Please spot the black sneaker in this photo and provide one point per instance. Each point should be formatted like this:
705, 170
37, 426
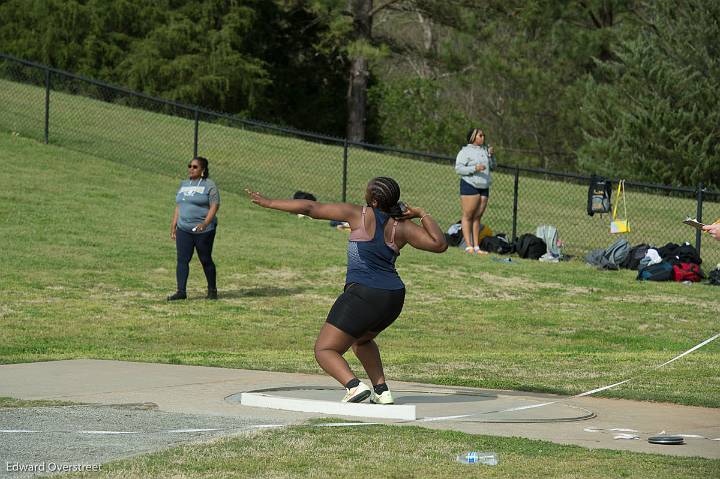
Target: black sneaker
176, 296
212, 294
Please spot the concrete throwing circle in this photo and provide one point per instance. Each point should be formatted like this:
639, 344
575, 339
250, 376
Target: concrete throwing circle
429, 404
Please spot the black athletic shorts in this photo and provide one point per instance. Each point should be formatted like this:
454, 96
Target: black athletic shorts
466, 189
361, 309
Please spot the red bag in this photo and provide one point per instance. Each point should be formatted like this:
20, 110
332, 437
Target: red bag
687, 272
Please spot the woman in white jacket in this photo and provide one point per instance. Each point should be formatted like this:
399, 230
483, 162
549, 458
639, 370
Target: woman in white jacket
473, 164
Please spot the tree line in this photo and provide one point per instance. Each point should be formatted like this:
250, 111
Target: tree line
623, 88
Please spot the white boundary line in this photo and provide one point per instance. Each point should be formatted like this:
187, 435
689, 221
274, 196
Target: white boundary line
621, 433
586, 393
625, 431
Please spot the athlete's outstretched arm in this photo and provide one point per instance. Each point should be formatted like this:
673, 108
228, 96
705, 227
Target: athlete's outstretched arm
321, 211
427, 236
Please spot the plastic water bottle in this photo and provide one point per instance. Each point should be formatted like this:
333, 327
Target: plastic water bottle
472, 457
502, 260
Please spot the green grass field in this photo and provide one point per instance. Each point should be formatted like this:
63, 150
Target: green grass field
280, 165
395, 452
89, 262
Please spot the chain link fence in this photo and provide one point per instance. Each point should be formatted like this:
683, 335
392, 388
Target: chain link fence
157, 135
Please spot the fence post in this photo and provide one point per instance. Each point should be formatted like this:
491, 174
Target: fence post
197, 127
515, 203
698, 216
344, 175
47, 105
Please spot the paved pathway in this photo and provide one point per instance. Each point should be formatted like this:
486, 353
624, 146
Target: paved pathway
188, 397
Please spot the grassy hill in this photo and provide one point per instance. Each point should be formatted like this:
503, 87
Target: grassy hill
89, 261
279, 165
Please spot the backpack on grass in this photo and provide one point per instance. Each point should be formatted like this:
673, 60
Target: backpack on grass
667, 252
611, 257
496, 244
549, 235
686, 253
687, 272
616, 253
662, 271
635, 255
530, 246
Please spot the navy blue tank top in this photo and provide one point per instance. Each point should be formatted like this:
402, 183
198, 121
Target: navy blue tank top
371, 261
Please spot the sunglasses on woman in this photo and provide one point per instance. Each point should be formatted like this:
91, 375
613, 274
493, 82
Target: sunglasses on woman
193, 167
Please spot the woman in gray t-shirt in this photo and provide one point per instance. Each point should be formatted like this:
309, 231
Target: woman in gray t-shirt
194, 224
473, 165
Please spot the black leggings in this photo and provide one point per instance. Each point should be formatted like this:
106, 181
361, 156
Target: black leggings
185, 243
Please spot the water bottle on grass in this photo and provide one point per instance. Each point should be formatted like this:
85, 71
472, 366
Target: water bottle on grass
473, 457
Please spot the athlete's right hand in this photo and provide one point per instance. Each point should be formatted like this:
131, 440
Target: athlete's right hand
257, 198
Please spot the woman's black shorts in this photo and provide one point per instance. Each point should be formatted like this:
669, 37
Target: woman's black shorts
466, 189
361, 309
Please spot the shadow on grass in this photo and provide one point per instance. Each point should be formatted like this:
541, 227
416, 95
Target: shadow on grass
260, 292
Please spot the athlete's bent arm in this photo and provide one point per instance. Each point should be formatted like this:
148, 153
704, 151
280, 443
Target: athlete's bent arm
427, 236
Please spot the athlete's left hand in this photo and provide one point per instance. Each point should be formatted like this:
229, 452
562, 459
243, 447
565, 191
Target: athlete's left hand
257, 198
412, 213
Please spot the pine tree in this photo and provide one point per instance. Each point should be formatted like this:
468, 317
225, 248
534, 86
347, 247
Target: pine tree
656, 117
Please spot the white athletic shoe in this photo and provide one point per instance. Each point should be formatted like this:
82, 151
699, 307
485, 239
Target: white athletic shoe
357, 394
384, 398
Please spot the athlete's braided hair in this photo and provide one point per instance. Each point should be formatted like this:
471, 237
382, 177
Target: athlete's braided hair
386, 192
